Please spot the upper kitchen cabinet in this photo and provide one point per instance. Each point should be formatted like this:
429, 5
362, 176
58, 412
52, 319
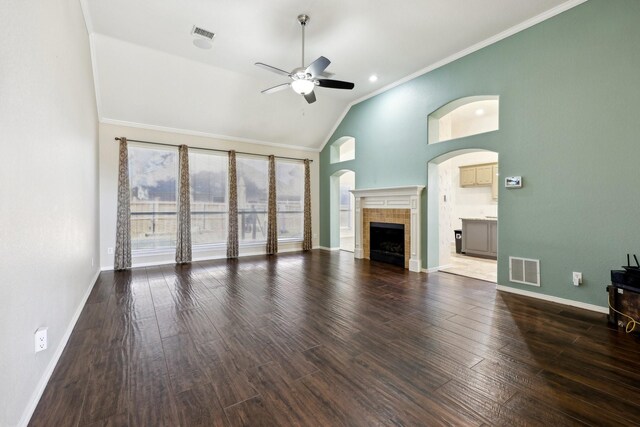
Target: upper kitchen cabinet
478, 175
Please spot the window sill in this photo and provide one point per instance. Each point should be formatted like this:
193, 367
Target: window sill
205, 248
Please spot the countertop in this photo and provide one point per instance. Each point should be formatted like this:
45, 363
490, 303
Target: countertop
480, 219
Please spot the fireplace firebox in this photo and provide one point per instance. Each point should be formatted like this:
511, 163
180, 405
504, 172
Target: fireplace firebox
387, 243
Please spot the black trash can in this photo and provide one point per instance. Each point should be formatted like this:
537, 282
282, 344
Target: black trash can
458, 234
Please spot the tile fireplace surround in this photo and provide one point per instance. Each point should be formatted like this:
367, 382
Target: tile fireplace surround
399, 205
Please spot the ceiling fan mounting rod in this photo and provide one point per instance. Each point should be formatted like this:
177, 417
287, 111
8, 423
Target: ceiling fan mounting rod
303, 19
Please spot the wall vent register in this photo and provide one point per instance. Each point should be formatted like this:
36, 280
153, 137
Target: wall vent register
202, 32
524, 270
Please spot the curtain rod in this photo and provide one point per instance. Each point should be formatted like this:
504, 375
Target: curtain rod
212, 149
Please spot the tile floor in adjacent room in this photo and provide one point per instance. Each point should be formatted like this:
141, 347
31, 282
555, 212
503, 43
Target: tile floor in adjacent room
477, 268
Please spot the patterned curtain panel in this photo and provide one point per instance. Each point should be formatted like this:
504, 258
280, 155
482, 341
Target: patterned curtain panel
122, 258
183, 241
232, 238
272, 226
306, 239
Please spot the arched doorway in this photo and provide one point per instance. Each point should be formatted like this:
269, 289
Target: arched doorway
343, 210
462, 212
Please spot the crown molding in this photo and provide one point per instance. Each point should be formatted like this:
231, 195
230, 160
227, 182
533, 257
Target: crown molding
180, 131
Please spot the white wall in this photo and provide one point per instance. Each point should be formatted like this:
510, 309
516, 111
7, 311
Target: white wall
49, 190
109, 186
467, 202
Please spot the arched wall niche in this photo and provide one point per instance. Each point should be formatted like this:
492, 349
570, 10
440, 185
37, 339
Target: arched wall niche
343, 149
463, 117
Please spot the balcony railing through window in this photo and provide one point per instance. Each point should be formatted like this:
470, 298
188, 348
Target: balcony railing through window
157, 230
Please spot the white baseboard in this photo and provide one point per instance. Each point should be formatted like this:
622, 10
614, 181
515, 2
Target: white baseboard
436, 269
324, 248
44, 380
564, 301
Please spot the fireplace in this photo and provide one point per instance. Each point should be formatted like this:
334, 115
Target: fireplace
396, 205
387, 242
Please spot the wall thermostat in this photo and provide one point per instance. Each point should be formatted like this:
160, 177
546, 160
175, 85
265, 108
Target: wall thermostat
513, 182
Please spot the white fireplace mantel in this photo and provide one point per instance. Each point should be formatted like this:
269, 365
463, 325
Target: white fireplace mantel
391, 198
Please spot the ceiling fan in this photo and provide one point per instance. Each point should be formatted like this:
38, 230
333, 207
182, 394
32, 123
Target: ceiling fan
305, 79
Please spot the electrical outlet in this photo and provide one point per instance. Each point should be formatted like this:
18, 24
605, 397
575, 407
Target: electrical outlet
41, 339
577, 278
109, 251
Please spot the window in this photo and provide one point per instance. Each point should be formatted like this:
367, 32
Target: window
153, 176
343, 149
290, 199
253, 180
464, 117
208, 176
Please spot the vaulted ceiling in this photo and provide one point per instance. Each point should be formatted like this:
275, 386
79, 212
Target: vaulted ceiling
149, 73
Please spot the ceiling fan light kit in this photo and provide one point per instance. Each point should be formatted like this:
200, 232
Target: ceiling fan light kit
302, 87
305, 79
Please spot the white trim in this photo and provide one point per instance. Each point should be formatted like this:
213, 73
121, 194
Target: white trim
324, 248
471, 49
436, 269
406, 197
204, 134
564, 301
92, 53
409, 190
44, 379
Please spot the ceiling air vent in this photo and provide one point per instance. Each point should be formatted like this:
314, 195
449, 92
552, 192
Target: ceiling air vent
523, 270
202, 32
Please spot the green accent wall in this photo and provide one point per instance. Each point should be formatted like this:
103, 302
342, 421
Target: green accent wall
569, 92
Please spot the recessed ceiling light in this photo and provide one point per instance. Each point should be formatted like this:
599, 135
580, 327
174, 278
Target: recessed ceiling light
480, 112
373, 78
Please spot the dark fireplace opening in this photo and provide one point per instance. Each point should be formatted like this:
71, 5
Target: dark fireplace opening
386, 243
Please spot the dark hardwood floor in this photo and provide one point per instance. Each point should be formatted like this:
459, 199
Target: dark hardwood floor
322, 339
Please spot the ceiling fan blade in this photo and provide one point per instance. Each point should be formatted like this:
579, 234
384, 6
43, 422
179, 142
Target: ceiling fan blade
276, 88
273, 69
335, 84
310, 97
317, 66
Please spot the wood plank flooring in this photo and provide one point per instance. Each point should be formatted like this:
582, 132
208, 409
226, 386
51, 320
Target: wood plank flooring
321, 339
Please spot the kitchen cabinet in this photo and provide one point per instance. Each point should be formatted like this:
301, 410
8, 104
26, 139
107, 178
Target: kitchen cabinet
480, 237
467, 177
484, 175
478, 175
